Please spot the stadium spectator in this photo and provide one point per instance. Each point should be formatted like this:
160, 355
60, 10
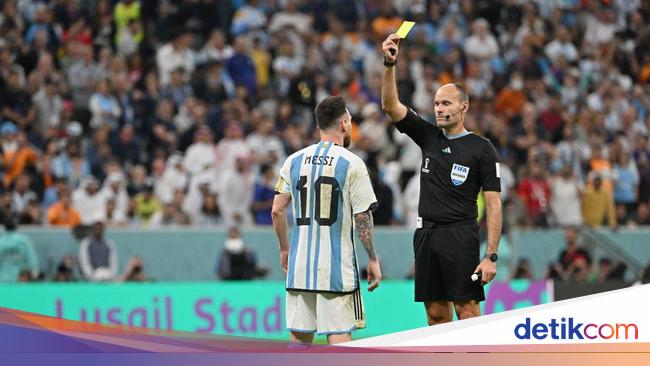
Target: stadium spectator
264, 145
216, 48
65, 271
178, 90
104, 107
114, 189
249, 17
134, 271
16, 253
626, 180
557, 85
209, 215
17, 153
88, 201
48, 105
174, 54
241, 67
236, 261
98, 255
146, 204
598, 205
174, 177
566, 194
16, 104
573, 256
522, 270
172, 213
63, 213
263, 196
235, 193
534, 191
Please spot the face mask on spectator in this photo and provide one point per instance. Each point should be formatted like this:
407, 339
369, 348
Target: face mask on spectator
234, 245
517, 84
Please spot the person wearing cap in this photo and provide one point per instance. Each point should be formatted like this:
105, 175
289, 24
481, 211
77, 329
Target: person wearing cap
17, 154
97, 254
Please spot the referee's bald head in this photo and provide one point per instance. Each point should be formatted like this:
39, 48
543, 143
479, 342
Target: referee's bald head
462, 92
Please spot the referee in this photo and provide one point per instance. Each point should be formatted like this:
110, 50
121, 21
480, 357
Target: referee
456, 165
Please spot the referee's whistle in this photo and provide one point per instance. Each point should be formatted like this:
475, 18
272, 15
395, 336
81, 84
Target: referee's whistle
476, 276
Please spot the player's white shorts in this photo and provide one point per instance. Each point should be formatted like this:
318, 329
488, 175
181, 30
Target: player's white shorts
324, 313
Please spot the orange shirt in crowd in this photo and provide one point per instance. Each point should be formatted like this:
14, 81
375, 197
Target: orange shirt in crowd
510, 101
16, 161
58, 215
383, 26
644, 74
604, 167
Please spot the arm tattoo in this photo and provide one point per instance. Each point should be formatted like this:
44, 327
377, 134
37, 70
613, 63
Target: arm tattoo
364, 225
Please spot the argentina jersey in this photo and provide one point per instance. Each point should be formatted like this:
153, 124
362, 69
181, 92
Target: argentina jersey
328, 185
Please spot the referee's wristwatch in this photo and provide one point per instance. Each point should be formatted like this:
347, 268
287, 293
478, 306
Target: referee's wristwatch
492, 256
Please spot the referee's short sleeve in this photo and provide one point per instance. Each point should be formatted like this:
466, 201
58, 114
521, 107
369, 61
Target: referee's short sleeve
362, 196
415, 127
284, 181
489, 168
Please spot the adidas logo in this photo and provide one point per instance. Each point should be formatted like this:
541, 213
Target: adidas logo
446, 150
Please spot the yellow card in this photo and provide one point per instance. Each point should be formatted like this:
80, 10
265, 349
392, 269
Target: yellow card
404, 29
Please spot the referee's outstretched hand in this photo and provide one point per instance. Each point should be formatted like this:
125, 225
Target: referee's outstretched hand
374, 274
488, 270
390, 46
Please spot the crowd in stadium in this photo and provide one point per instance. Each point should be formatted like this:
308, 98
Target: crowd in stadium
163, 113
180, 112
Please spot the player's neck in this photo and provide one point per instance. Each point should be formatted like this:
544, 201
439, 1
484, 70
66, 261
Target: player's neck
331, 138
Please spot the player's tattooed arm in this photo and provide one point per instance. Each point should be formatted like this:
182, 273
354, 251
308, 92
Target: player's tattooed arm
365, 227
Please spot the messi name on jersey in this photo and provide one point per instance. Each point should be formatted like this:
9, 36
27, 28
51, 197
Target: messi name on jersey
459, 174
319, 160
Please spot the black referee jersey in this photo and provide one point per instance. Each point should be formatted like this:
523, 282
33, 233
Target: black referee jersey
453, 171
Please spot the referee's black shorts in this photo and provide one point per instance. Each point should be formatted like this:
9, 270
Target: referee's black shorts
445, 258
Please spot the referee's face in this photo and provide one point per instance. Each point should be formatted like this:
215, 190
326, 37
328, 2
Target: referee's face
448, 106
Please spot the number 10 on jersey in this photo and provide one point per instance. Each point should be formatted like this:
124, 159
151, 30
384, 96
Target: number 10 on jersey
326, 191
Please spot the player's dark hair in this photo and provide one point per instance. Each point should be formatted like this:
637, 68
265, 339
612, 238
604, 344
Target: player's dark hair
328, 111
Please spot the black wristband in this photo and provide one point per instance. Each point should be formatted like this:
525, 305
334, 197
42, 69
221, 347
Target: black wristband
389, 64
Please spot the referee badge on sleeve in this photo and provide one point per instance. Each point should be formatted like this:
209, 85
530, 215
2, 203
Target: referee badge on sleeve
459, 174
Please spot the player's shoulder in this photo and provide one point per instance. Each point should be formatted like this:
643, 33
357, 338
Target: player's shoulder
351, 157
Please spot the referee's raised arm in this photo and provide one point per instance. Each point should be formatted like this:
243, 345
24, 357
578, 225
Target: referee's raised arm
389, 99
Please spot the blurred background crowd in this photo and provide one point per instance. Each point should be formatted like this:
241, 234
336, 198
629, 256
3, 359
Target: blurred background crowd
160, 113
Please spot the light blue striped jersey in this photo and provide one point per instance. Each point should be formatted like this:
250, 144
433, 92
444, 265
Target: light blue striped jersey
328, 185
